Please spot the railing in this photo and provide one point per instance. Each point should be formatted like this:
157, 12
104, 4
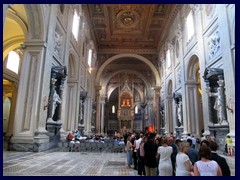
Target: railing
97, 146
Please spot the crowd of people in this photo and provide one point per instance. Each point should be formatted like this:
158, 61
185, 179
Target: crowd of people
153, 155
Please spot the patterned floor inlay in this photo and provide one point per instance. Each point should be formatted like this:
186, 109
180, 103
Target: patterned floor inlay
115, 163
72, 164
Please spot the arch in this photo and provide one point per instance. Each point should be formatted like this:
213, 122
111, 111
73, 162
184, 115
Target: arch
104, 83
192, 67
112, 90
72, 67
169, 88
194, 112
141, 58
36, 26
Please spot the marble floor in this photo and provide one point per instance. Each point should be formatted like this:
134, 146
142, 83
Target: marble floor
56, 163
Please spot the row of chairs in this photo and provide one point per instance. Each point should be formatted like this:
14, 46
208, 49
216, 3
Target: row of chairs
92, 146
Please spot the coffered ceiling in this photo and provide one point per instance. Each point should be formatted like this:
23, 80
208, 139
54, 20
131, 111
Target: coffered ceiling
139, 27
129, 28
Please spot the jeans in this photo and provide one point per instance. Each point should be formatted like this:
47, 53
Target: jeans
129, 157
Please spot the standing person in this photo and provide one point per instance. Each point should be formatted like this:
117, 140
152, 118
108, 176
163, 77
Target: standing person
158, 143
134, 153
220, 160
193, 141
229, 145
165, 163
150, 149
205, 166
141, 169
129, 151
174, 153
183, 164
192, 153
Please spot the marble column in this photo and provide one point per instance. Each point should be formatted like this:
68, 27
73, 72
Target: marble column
150, 111
157, 90
89, 115
30, 115
98, 109
102, 102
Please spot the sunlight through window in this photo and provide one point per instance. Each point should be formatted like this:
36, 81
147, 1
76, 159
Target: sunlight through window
190, 25
89, 57
168, 59
13, 61
113, 109
136, 109
75, 25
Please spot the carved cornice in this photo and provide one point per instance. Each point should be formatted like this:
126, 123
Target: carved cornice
135, 51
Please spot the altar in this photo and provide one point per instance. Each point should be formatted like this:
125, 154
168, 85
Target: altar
125, 112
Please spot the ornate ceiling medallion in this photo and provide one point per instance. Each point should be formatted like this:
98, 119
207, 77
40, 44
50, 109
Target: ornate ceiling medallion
128, 18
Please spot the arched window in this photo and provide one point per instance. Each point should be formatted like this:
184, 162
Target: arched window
75, 25
90, 57
190, 30
113, 109
90, 60
136, 109
168, 59
13, 61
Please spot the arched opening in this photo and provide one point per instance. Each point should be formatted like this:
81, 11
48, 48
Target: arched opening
194, 97
169, 108
72, 119
14, 34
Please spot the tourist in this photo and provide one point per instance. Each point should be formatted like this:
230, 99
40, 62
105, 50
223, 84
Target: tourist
229, 145
219, 159
165, 163
150, 149
128, 149
183, 164
205, 166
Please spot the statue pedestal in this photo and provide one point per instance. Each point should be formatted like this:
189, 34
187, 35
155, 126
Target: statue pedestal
179, 131
162, 131
53, 128
219, 132
93, 129
81, 129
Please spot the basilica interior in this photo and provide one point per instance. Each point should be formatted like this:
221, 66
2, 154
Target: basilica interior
107, 68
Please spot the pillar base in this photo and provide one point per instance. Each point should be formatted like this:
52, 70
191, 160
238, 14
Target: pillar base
219, 132
179, 132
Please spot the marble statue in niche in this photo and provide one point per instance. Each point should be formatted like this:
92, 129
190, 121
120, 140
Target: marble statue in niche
56, 100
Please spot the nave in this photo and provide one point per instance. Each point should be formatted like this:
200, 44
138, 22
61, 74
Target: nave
58, 163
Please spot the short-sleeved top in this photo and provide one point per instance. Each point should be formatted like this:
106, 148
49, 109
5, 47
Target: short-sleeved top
209, 168
229, 141
181, 169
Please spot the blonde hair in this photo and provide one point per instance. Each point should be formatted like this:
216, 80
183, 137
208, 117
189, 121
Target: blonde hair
182, 146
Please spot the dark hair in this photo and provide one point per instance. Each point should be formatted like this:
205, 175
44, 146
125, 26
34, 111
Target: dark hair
205, 142
151, 136
177, 140
213, 145
205, 152
189, 141
164, 140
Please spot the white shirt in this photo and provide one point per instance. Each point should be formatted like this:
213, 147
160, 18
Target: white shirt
138, 143
207, 168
